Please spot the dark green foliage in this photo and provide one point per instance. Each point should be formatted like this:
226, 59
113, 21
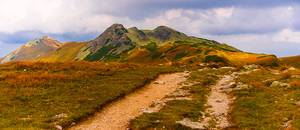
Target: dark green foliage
153, 49
180, 55
101, 53
151, 46
214, 58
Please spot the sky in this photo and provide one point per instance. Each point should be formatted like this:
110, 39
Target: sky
260, 26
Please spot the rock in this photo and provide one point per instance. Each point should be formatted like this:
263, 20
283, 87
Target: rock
232, 85
298, 103
202, 64
147, 111
295, 76
59, 116
58, 127
187, 72
218, 100
254, 70
159, 82
291, 69
241, 86
194, 125
251, 67
204, 69
228, 67
73, 123
279, 84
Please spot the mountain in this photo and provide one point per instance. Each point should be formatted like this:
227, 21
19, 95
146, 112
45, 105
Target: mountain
33, 50
110, 44
160, 45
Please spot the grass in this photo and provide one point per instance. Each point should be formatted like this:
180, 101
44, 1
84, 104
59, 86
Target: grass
266, 108
176, 110
42, 95
66, 53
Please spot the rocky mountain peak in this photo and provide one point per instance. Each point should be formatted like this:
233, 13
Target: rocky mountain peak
165, 33
115, 35
43, 41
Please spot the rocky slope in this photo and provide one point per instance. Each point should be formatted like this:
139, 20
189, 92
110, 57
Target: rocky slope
33, 50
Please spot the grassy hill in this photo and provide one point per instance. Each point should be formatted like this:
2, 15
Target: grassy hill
67, 52
292, 61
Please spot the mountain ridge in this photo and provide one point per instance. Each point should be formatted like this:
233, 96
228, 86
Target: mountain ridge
160, 45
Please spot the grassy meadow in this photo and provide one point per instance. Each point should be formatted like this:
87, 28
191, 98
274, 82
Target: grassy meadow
42, 95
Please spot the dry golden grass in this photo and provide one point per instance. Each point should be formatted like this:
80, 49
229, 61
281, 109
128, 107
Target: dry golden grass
33, 93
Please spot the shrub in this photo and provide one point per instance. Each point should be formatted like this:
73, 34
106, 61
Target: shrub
214, 58
151, 46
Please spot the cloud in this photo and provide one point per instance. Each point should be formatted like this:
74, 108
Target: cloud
288, 36
227, 20
285, 42
77, 16
247, 24
57, 16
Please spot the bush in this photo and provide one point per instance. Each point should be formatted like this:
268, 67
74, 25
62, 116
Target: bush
214, 58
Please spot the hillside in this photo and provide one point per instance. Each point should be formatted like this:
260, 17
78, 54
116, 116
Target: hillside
162, 45
292, 61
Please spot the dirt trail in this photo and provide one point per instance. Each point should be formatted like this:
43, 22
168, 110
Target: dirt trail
117, 115
219, 104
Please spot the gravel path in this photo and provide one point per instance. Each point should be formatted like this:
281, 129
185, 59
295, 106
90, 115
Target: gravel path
117, 115
219, 105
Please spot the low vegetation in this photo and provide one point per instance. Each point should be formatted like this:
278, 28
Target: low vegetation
42, 95
266, 105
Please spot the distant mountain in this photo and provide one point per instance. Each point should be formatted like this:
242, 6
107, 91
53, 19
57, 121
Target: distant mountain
33, 50
117, 43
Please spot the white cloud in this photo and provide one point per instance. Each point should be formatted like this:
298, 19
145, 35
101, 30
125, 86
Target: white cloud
58, 16
287, 35
282, 43
247, 28
227, 19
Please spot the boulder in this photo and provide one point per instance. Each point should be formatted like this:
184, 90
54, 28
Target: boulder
251, 67
58, 127
279, 84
